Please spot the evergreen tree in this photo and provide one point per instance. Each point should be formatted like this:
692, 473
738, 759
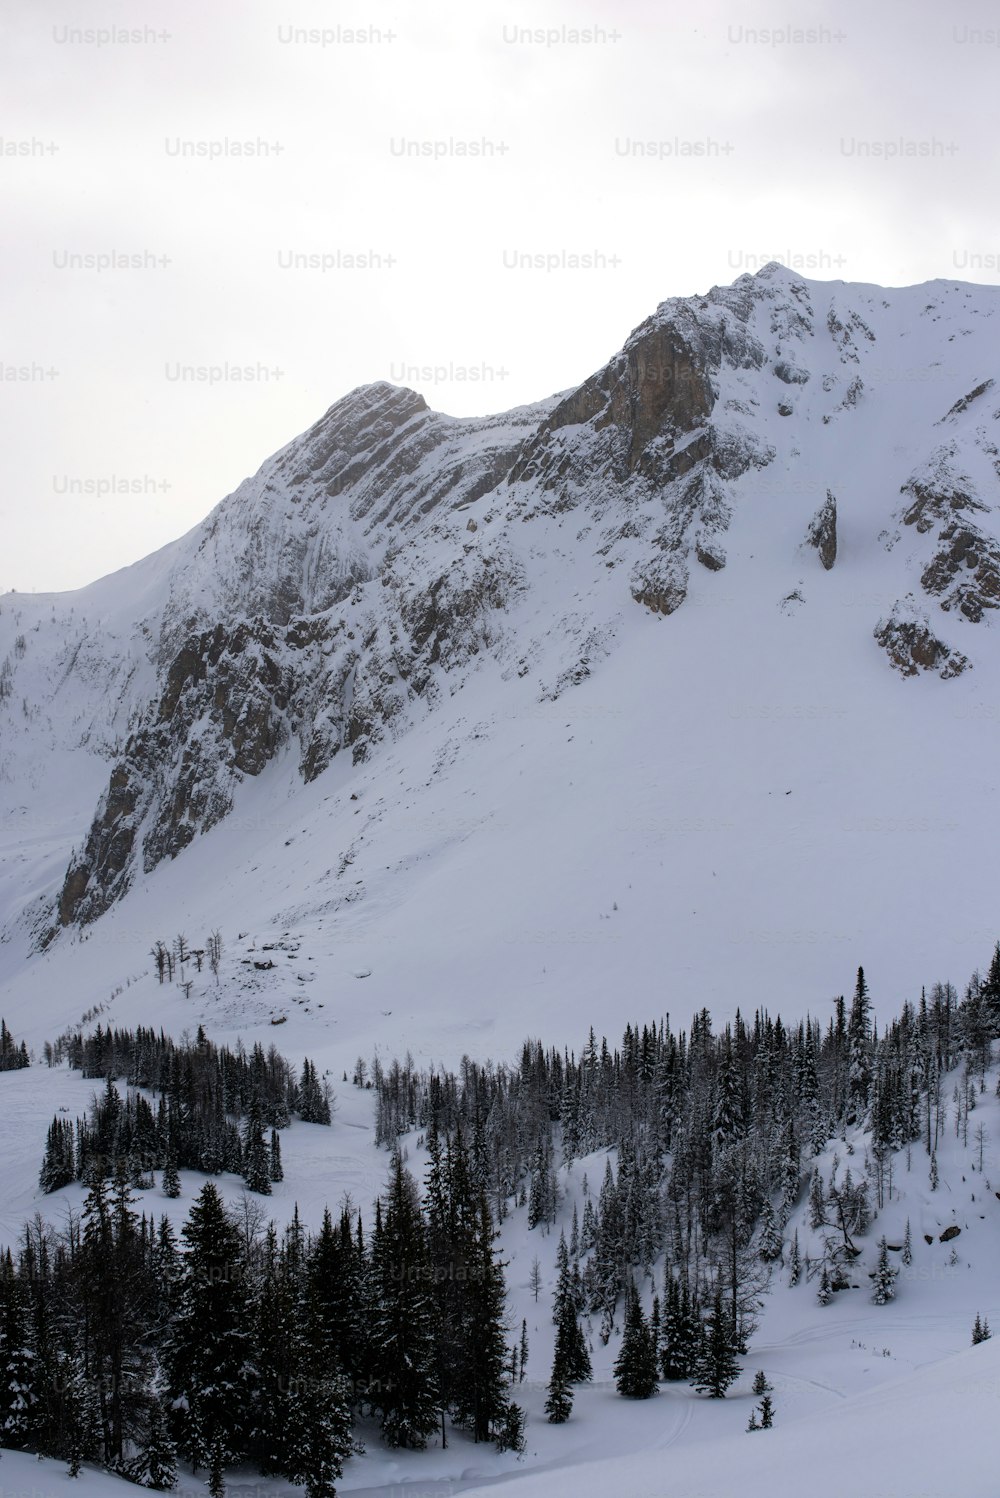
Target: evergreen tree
160, 1454
907, 1254
404, 1330
277, 1172
207, 1351
80, 1416
319, 1433
794, 1260
770, 1242
859, 1040
509, 1430
824, 1294
635, 1367
58, 1166
817, 1201
18, 1386
680, 1333
980, 1331
571, 1346
256, 1157
766, 1412
171, 1176
523, 1351
559, 1400
717, 1367
884, 1286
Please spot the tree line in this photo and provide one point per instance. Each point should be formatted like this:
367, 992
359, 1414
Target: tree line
215, 1111
709, 1142
12, 1056
121, 1345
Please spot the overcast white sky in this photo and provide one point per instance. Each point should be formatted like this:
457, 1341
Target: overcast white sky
756, 148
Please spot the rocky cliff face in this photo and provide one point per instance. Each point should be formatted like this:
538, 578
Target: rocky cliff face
327, 603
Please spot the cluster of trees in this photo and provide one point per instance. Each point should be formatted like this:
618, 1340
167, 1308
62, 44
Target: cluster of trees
12, 1056
245, 1343
214, 1111
712, 1136
176, 957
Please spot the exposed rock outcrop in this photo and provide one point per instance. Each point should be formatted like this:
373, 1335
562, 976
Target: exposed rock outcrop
822, 532
912, 647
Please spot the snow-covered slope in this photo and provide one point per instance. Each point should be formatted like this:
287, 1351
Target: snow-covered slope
678, 689
886, 1400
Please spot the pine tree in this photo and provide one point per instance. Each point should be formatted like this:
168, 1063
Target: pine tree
58, 1166
208, 1346
80, 1418
907, 1254
766, 1412
635, 1367
471, 1332
256, 1159
817, 1201
824, 1294
160, 1454
571, 1346
523, 1350
18, 1386
277, 1172
680, 1333
980, 1331
509, 1430
770, 1242
934, 1171
559, 1401
794, 1260
884, 1287
717, 1367
859, 1040
406, 1392
319, 1433
171, 1176
760, 1384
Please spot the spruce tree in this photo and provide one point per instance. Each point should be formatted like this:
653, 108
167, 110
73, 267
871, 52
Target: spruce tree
571, 1346
559, 1400
635, 1367
18, 1373
208, 1346
318, 1439
256, 1158
770, 1243
717, 1367
404, 1328
160, 1454
171, 1177
883, 1287
58, 1166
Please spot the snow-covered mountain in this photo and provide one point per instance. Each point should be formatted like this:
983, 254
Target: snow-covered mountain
681, 679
